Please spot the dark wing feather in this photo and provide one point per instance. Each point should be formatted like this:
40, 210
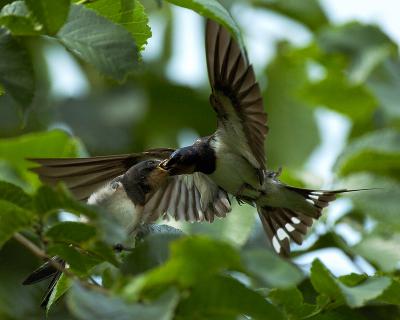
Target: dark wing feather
236, 96
83, 176
192, 197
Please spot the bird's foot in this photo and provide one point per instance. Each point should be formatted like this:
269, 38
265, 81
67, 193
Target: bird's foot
274, 174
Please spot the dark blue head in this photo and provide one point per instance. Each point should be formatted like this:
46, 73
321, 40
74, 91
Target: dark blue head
182, 161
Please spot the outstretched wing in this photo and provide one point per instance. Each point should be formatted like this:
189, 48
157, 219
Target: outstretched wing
236, 96
192, 197
83, 176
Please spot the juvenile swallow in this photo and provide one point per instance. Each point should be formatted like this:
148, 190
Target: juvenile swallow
125, 197
234, 157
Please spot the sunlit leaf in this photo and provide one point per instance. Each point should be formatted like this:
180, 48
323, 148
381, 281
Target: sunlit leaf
49, 13
128, 13
98, 41
36, 145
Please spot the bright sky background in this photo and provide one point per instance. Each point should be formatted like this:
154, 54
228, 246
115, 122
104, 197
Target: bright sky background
262, 30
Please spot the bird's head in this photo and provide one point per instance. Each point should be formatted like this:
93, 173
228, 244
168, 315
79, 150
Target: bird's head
182, 161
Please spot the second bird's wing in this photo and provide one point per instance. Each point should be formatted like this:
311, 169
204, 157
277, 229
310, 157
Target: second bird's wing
193, 197
83, 176
236, 96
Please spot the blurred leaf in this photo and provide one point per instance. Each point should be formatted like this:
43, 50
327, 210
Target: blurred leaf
16, 72
71, 232
291, 300
15, 195
16, 17
272, 270
98, 41
376, 152
324, 282
192, 260
236, 228
293, 132
13, 219
307, 12
381, 251
85, 304
36, 145
150, 253
381, 204
392, 293
62, 286
48, 200
49, 13
349, 289
369, 289
214, 10
128, 13
223, 297
366, 46
384, 82
354, 100
80, 262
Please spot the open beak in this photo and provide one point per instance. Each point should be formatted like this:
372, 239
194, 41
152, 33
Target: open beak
164, 165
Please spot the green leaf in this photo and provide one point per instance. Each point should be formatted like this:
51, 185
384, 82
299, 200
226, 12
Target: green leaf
392, 294
370, 289
15, 195
128, 13
382, 204
48, 200
16, 17
223, 297
71, 232
291, 300
192, 259
150, 253
36, 145
354, 100
98, 41
16, 71
366, 46
13, 219
384, 83
377, 152
291, 122
271, 269
85, 304
49, 13
324, 282
307, 12
80, 262
380, 250
214, 10
62, 286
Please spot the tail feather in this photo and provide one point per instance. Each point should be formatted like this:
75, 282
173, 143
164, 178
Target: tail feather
287, 222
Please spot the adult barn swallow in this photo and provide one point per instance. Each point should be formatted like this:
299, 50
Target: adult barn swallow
234, 157
125, 197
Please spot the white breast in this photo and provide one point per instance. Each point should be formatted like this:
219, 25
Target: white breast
232, 170
117, 203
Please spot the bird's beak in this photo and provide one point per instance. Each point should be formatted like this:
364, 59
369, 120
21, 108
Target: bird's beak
175, 168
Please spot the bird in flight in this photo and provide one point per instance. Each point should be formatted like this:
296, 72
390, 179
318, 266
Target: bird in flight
200, 176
